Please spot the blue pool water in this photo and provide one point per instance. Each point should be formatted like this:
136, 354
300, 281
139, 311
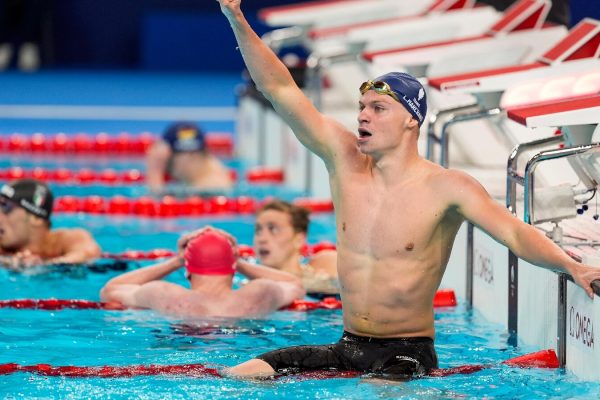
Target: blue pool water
120, 338
94, 337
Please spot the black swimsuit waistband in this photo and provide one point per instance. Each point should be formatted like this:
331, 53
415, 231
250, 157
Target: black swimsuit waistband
369, 339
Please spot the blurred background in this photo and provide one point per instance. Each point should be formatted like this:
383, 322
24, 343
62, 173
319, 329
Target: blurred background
149, 35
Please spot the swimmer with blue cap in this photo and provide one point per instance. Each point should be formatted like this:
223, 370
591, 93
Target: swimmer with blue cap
26, 237
182, 154
397, 215
210, 260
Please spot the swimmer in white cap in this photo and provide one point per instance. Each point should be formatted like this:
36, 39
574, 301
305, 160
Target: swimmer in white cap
397, 215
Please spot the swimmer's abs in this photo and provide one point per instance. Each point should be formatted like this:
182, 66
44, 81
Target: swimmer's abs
409, 327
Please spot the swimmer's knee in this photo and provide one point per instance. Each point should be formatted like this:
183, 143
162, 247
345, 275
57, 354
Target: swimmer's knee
254, 368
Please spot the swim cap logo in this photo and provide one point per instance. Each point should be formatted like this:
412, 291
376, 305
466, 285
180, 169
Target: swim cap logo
186, 134
413, 107
421, 94
187, 140
39, 196
7, 191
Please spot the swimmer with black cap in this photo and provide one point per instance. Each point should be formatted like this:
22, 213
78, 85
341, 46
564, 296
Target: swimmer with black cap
182, 154
210, 260
26, 237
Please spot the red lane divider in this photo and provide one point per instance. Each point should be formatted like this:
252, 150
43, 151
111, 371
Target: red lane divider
170, 206
59, 304
244, 250
540, 359
132, 255
122, 144
328, 303
194, 370
256, 175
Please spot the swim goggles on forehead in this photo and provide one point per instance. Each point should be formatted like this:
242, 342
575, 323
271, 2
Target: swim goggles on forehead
379, 87
6, 206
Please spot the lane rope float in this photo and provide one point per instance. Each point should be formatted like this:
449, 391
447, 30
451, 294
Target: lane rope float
540, 359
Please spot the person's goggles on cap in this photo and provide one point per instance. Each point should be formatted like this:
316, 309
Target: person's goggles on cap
379, 87
6, 206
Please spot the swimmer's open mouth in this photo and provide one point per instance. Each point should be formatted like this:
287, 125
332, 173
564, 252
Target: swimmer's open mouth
263, 253
364, 133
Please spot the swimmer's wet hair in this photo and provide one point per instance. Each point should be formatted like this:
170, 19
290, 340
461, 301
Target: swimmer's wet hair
300, 216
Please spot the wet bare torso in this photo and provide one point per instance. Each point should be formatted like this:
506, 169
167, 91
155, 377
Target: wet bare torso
393, 243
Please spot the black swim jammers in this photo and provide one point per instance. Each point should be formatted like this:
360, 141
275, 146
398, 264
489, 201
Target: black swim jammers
396, 358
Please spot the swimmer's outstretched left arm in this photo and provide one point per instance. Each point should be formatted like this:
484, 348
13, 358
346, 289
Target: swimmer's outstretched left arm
527, 242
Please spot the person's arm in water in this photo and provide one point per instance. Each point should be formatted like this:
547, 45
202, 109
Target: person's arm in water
318, 133
255, 271
527, 242
264, 295
137, 288
78, 246
157, 161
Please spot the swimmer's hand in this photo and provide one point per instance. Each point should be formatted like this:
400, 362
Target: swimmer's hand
584, 275
21, 260
185, 239
230, 8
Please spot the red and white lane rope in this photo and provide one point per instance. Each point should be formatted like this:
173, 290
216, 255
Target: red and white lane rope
109, 176
220, 143
541, 359
170, 206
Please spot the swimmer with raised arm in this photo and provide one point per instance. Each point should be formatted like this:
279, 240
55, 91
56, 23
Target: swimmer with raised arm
210, 260
397, 215
26, 235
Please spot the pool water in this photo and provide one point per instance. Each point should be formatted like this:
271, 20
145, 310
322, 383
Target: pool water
120, 338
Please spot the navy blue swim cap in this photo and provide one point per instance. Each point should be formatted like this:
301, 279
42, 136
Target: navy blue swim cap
409, 92
184, 137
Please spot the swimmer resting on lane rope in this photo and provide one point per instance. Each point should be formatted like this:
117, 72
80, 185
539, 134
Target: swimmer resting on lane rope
280, 233
26, 237
210, 261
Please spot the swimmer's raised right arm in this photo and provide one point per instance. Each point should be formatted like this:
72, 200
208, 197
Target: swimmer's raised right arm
318, 133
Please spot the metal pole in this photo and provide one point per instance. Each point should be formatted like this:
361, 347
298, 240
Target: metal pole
456, 118
434, 118
545, 156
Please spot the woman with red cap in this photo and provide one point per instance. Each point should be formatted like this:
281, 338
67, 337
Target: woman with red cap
211, 262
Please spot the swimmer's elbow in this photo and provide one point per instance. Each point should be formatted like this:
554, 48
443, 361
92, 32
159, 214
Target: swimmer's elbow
297, 290
106, 293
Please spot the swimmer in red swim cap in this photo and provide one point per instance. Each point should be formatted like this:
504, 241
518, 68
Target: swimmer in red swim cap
210, 259
210, 253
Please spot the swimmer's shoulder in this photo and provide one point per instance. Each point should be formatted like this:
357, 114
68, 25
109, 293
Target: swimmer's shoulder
67, 234
324, 261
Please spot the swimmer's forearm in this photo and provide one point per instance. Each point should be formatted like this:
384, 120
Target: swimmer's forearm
148, 274
265, 68
254, 271
534, 247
